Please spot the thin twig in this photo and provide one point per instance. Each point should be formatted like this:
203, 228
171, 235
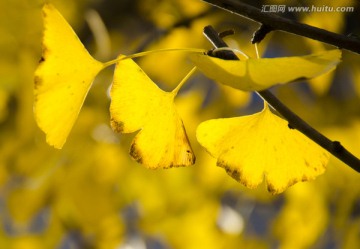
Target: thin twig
295, 122
276, 22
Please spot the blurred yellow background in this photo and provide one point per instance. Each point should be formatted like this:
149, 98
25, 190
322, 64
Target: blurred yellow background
91, 194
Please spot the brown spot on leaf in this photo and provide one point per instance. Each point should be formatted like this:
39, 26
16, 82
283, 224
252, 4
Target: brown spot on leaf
234, 174
231, 172
189, 159
292, 182
135, 153
305, 178
171, 165
37, 82
271, 188
192, 159
117, 126
44, 53
221, 163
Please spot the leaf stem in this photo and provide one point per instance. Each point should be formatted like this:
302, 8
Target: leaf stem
187, 76
275, 22
131, 56
295, 122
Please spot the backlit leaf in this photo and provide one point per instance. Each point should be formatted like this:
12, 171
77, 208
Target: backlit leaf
262, 145
259, 74
62, 79
138, 104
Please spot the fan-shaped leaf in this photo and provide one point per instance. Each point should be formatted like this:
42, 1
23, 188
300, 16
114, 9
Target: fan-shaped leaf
262, 145
259, 74
62, 79
138, 104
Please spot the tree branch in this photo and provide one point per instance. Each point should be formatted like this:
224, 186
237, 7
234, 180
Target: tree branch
295, 122
276, 22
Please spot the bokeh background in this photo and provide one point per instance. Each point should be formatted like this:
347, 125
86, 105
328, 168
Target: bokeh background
91, 194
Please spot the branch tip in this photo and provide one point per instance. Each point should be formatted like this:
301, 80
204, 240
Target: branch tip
226, 33
260, 34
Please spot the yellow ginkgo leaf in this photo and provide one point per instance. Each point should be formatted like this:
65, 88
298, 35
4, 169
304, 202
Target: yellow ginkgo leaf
62, 79
138, 104
262, 145
259, 74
